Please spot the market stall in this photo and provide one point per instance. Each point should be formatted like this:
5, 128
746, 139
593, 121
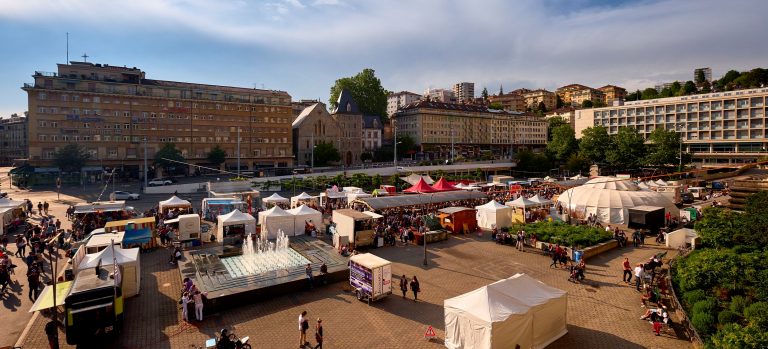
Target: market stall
99, 242
274, 220
519, 310
303, 198
275, 199
413, 178
443, 185
233, 227
127, 260
10, 217
459, 220
213, 207
494, 214
138, 232
353, 228
240, 190
384, 202
520, 206
174, 203
683, 238
420, 187
305, 220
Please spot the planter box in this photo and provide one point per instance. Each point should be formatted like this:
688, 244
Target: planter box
589, 252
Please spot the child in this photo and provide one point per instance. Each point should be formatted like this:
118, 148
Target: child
185, 300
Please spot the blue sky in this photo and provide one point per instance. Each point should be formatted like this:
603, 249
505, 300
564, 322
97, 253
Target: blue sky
302, 46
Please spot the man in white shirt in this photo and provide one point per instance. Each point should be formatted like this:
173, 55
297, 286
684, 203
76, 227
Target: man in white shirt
302, 330
638, 276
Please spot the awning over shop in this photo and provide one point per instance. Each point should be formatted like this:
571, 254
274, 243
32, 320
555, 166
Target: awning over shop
45, 300
379, 203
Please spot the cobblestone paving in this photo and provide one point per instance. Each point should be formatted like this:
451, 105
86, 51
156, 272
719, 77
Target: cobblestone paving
602, 312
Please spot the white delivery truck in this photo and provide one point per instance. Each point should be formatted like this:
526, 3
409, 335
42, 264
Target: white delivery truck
370, 276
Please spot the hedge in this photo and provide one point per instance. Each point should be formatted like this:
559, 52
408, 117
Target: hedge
577, 236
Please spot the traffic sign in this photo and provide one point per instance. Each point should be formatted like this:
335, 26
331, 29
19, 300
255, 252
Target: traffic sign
430, 333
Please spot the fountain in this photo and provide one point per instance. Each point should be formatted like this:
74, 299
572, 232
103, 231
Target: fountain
264, 256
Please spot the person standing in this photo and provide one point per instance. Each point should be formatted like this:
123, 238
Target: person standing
404, 285
319, 334
33, 278
303, 326
308, 270
323, 274
638, 276
198, 299
52, 332
415, 288
185, 300
627, 277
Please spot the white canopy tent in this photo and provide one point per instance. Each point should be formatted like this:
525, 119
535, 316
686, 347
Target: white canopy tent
6, 202
235, 218
611, 206
611, 183
274, 220
661, 182
174, 202
127, 259
522, 202
302, 215
302, 198
413, 178
275, 198
519, 310
540, 200
494, 214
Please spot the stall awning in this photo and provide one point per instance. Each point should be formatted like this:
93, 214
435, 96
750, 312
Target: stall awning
380, 203
45, 300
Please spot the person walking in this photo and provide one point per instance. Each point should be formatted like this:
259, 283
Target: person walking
52, 332
5, 278
303, 326
21, 246
198, 299
638, 276
45, 207
415, 288
627, 277
33, 278
404, 285
39, 208
319, 334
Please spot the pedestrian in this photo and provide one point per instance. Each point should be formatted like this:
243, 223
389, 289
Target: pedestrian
308, 270
404, 285
319, 334
39, 208
185, 300
415, 288
627, 277
198, 299
21, 246
45, 207
303, 326
519, 245
33, 278
5, 278
324, 274
638, 276
52, 332
555, 259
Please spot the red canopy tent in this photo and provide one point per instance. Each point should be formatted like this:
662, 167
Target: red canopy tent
443, 185
420, 187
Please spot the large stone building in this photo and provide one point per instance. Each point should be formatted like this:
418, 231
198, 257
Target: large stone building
464, 91
566, 92
469, 129
707, 74
440, 95
116, 112
400, 99
512, 101
613, 94
536, 97
13, 139
350, 120
298, 107
372, 133
718, 129
578, 97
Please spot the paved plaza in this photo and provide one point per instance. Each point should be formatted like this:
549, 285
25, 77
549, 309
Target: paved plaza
602, 312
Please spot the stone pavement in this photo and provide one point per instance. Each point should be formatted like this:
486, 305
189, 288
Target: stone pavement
602, 312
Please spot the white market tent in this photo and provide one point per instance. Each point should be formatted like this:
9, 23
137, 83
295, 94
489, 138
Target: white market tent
127, 259
681, 237
99, 242
6, 202
611, 183
303, 214
540, 200
519, 310
174, 202
661, 182
413, 178
302, 198
611, 206
494, 214
235, 218
275, 198
274, 220
521, 202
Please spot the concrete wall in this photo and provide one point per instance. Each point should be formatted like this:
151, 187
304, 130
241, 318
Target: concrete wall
170, 189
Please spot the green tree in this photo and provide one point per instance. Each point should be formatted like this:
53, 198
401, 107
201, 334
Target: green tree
754, 229
361, 180
706, 87
663, 148
650, 93
169, 158
676, 88
576, 163
593, 144
496, 106
365, 156
726, 82
563, 143
326, 153
530, 162
559, 102
586, 104
377, 181
484, 94
700, 77
689, 88
627, 149
553, 123
717, 227
217, 156
406, 146
71, 158
367, 91
666, 92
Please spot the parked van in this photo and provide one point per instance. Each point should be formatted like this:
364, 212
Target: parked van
698, 192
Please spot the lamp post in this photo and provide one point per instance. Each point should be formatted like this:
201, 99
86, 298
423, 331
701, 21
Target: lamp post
394, 131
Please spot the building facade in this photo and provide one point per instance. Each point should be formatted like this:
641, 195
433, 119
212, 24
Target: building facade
578, 97
372, 133
350, 120
313, 127
513, 101
440, 95
535, 97
724, 128
469, 129
116, 113
613, 94
400, 99
566, 92
707, 74
13, 139
298, 107
566, 113
464, 91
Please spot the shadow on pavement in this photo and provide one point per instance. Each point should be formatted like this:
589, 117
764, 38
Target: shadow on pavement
580, 337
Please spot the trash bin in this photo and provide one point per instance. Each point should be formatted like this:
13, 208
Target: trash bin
577, 255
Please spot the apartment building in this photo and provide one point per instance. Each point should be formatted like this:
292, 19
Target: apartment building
566, 92
535, 97
400, 99
724, 128
512, 101
13, 139
566, 113
469, 129
707, 74
298, 107
578, 97
464, 91
440, 95
613, 94
116, 113
372, 133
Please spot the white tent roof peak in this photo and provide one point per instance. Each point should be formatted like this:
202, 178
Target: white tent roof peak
492, 205
235, 216
276, 212
302, 210
275, 198
613, 183
538, 199
107, 257
521, 202
174, 201
303, 196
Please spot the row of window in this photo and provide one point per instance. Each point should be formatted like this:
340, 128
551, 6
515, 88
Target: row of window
109, 138
43, 96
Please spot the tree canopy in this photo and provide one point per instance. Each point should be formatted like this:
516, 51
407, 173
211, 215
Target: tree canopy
594, 143
367, 91
167, 153
325, 153
627, 149
563, 142
664, 148
71, 158
217, 156
406, 145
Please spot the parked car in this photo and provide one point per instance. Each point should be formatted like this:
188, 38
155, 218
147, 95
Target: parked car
124, 195
686, 197
160, 181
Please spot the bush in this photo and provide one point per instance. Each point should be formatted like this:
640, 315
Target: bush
566, 234
691, 297
734, 336
703, 323
738, 303
727, 317
708, 305
757, 315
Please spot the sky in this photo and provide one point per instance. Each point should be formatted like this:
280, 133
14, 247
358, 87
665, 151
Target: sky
303, 46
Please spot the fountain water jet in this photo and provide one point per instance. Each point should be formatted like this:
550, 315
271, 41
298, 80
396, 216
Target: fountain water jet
264, 256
